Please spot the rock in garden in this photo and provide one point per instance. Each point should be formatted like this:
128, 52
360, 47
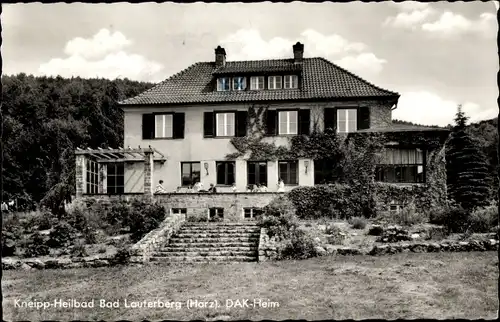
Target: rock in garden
330, 249
10, 263
36, 263
320, 251
415, 236
26, 267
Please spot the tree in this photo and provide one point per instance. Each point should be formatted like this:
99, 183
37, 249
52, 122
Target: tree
467, 169
44, 120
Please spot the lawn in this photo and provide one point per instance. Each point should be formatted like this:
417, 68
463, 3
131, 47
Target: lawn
408, 285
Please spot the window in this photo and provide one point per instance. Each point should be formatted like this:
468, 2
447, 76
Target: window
190, 173
402, 166
346, 120
215, 214
251, 213
239, 83
164, 126
178, 211
275, 82
257, 82
169, 125
291, 81
257, 172
288, 171
225, 124
115, 180
394, 209
287, 122
223, 84
225, 173
92, 176
323, 171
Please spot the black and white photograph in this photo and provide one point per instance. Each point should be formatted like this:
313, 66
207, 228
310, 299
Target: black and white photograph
250, 161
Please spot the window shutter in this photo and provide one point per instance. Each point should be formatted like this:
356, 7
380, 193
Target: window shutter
208, 124
271, 122
241, 123
178, 125
304, 122
363, 117
148, 126
330, 118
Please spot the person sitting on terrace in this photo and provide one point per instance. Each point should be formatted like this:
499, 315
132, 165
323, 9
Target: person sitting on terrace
159, 188
234, 187
178, 190
281, 185
198, 186
257, 188
263, 188
212, 188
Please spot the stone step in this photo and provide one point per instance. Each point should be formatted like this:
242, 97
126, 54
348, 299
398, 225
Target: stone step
183, 234
191, 253
211, 244
220, 224
208, 249
220, 229
205, 259
213, 239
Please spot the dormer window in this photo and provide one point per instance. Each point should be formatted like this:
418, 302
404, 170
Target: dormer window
223, 84
275, 82
291, 81
239, 83
257, 82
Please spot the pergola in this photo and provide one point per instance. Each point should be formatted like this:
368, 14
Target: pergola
91, 166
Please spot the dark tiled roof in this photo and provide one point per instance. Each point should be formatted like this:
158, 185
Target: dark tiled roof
321, 80
404, 128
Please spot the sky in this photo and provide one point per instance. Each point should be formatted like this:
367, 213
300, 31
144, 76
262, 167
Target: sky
436, 55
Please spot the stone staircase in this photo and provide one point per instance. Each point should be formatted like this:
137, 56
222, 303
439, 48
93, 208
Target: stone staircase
212, 242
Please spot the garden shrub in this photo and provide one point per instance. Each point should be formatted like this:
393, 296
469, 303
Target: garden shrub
337, 201
119, 214
483, 219
122, 256
453, 217
9, 243
298, 246
357, 222
375, 230
62, 235
281, 222
407, 216
279, 218
144, 217
336, 236
36, 246
79, 250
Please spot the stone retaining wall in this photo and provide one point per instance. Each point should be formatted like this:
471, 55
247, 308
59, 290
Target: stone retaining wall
196, 204
155, 239
268, 247
267, 251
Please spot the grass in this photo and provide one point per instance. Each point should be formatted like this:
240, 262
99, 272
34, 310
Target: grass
437, 286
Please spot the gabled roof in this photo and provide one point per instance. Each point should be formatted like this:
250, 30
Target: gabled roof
321, 79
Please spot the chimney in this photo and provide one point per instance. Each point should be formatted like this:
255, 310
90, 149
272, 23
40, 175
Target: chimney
220, 56
298, 52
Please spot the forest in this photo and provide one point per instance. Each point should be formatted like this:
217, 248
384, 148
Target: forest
45, 118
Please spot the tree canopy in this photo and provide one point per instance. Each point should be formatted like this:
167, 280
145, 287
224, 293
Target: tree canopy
45, 119
468, 174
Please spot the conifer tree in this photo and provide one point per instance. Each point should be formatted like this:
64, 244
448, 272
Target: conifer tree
467, 169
